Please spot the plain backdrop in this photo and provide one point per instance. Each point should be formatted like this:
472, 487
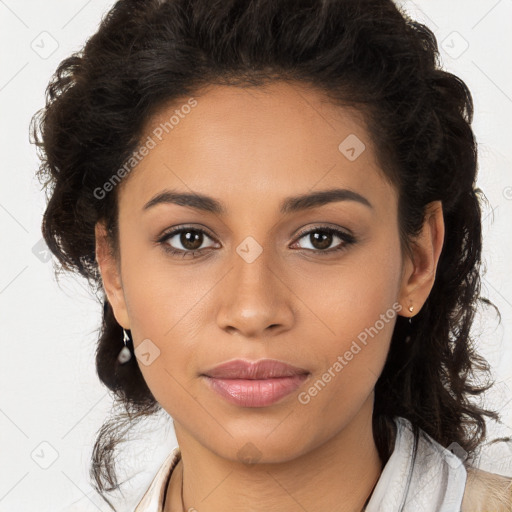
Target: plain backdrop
51, 401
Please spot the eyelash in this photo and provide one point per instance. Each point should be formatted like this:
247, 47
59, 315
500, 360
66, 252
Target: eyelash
346, 238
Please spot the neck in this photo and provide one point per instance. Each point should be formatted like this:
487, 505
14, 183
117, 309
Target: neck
339, 475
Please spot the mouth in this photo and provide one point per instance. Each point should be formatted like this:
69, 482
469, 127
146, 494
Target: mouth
255, 384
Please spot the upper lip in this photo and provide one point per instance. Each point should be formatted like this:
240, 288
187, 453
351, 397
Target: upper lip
262, 369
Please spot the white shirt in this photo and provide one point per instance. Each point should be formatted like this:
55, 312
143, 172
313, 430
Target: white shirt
433, 482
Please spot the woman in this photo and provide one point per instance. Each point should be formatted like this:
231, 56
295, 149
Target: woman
278, 201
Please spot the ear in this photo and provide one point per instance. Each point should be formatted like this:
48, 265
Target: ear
110, 275
420, 266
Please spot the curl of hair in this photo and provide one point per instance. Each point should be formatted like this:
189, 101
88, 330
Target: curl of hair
366, 54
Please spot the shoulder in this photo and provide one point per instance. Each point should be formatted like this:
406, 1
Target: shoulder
486, 492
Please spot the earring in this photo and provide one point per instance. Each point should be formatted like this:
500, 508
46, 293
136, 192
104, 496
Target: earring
408, 337
124, 355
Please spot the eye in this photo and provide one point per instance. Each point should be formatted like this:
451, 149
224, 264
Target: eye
190, 239
322, 237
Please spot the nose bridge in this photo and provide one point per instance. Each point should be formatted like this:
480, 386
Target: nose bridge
253, 298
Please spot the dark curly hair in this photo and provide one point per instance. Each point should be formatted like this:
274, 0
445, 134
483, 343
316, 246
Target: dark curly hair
365, 54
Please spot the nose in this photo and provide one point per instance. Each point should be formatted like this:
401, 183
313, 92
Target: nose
254, 299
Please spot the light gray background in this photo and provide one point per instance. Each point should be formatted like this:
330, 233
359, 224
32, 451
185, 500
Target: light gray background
51, 402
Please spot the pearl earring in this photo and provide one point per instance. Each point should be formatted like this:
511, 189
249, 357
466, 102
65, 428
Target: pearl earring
124, 355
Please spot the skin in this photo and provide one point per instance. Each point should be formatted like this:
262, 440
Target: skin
251, 149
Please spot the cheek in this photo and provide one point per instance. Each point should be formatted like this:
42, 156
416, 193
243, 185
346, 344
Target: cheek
352, 297
166, 322
359, 307
163, 297
169, 309
166, 305
352, 361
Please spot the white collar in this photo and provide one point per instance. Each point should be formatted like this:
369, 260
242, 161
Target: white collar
433, 482
153, 499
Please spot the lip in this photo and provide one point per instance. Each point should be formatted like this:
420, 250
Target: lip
255, 384
262, 369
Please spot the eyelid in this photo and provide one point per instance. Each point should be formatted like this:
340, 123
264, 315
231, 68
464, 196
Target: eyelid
327, 227
168, 233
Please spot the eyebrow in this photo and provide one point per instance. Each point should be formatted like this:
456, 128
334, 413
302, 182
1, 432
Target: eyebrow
289, 205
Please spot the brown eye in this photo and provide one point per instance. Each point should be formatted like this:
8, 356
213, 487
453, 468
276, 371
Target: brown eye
191, 239
185, 241
321, 239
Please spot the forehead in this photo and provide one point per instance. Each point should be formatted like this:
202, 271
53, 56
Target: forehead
260, 140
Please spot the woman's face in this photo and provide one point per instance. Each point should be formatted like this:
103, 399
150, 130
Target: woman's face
259, 286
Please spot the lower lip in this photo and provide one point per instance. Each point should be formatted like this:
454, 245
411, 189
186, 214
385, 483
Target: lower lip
255, 392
